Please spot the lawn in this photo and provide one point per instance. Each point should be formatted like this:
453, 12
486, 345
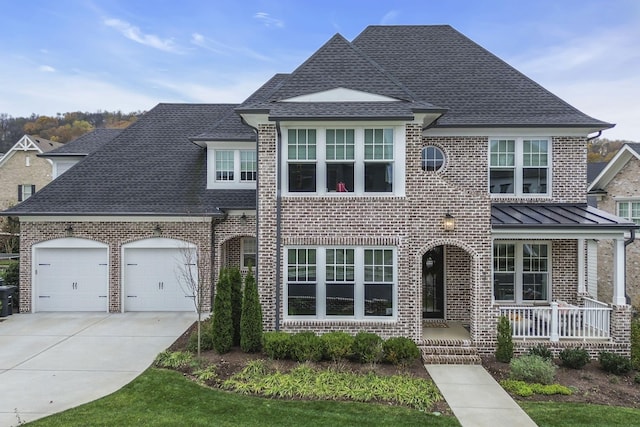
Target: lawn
550, 414
166, 398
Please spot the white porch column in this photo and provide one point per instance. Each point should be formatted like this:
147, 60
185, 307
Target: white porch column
582, 289
618, 272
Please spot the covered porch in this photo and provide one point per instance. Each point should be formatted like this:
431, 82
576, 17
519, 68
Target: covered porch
544, 275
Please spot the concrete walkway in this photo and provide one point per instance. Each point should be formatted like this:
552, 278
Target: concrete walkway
50, 362
475, 398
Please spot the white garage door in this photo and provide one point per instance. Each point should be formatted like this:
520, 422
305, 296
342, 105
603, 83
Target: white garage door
153, 280
71, 279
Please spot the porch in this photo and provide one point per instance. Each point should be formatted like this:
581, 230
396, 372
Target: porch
560, 321
448, 343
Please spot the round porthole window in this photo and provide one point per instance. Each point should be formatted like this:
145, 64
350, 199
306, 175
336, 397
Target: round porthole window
432, 159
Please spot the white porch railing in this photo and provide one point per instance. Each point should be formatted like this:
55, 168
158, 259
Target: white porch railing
555, 322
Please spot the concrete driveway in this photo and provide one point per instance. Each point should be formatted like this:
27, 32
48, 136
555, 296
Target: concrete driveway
50, 362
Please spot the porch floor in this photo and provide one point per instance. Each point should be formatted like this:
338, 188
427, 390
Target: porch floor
444, 330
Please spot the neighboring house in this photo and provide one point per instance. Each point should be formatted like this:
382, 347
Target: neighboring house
616, 188
22, 173
65, 157
389, 181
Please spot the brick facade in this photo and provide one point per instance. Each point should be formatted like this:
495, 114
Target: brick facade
115, 235
625, 185
15, 172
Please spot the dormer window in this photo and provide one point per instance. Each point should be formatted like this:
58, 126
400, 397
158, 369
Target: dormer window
231, 166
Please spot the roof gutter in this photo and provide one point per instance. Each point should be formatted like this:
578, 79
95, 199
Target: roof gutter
595, 136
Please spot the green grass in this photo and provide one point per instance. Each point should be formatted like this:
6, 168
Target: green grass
549, 414
165, 398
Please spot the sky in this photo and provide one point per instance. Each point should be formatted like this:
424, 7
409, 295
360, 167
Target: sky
128, 55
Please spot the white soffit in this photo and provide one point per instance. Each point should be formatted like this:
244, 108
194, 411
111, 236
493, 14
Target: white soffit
340, 94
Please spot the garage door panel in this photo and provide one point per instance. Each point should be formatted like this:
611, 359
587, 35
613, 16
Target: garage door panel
153, 279
71, 279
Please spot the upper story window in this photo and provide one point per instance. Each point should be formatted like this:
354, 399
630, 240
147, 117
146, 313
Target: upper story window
230, 166
629, 209
432, 159
25, 191
521, 271
519, 166
357, 160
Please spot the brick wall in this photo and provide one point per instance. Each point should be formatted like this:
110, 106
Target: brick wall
15, 172
626, 184
458, 280
564, 274
114, 234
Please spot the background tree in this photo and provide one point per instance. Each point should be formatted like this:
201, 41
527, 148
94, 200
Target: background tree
222, 322
251, 320
235, 279
10, 235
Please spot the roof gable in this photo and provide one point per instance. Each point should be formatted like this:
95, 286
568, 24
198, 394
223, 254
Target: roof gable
615, 165
30, 143
338, 64
340, 94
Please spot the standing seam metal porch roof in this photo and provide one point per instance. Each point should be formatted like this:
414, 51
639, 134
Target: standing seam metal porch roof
560, 216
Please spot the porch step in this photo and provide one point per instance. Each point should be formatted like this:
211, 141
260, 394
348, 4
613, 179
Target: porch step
459, 353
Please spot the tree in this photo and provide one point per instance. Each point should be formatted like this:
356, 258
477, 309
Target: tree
190, 275
235, 279
10, 235
251, 319
222, 322
504, 349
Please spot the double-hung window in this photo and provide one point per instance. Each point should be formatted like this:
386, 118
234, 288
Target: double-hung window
25, 191
340, 155
521, 271
233, 168
629, 209
248, 252
378, 160
519, 166
301, 153
341, 282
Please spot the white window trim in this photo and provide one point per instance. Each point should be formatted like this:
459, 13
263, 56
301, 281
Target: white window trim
359, 285
236, 147
519, 272
519, 167
629, 200
359, 161
242, 252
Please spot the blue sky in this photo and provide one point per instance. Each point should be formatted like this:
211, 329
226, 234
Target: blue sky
128, 55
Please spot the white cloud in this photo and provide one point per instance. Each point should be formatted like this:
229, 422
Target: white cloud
389, 17
268, 21
225, 48
47, 69
133, 33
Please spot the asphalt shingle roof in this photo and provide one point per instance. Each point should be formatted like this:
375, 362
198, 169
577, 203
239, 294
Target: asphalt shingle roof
86, 144
442, 66
150, 168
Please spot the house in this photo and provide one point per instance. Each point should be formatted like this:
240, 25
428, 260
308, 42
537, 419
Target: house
616, 188
66, 156
22, 173
403, 179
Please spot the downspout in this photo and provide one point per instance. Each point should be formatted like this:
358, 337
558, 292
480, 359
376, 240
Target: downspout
278, 219
632, 237
257, 187
214, 254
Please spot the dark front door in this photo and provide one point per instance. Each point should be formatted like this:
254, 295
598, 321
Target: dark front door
433, 284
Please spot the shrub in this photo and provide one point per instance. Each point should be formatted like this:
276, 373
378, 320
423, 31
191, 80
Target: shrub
635, 343
574, 358
206, 337
251, 317
541, 351
276, 345
504, 349
532, 369
174, 359
222, 322
614, 363
367, 347
306, 346
524, 389
337, 345
400, 351
235, 282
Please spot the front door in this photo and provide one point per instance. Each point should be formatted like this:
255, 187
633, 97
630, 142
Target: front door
433, 284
